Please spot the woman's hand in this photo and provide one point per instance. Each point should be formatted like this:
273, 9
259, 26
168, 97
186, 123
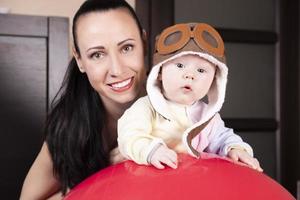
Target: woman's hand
242, 156
164, 156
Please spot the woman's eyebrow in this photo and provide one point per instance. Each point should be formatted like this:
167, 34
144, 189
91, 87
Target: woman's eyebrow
95, 47
129, 39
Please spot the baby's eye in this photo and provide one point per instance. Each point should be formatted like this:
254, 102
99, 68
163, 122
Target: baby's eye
127, 48
179, 65
200, 70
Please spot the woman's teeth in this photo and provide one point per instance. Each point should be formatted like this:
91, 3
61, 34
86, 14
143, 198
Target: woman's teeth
121, 84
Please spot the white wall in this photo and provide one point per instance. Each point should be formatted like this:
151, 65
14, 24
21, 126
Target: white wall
61, 8
64, 8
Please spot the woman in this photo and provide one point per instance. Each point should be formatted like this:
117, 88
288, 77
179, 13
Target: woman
105, 76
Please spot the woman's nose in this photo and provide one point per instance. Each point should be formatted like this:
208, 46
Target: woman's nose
116, 67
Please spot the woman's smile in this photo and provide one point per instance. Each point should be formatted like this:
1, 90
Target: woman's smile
122, 86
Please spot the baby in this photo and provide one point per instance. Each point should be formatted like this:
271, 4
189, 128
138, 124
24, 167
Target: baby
186, 90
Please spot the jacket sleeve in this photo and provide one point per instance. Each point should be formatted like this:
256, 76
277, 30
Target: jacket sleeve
222, 139
134, 132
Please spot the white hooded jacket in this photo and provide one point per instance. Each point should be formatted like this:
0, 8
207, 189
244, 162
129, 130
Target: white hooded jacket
153, 120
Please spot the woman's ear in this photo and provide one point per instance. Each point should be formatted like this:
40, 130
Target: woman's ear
78, 60
145, 42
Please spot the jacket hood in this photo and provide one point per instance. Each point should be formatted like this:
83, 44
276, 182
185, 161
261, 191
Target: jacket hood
215, 95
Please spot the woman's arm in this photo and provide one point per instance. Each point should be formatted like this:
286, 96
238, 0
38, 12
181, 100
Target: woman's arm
40, 182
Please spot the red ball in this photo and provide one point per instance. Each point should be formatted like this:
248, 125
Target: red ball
206, 179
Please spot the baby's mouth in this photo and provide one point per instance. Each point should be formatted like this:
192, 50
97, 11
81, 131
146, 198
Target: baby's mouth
187, 88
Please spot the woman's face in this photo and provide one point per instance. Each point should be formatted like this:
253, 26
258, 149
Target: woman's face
111, 54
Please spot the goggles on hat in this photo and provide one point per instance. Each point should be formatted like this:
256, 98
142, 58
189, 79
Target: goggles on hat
165, 45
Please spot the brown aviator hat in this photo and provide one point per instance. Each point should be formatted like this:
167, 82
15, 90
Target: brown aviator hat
196, 37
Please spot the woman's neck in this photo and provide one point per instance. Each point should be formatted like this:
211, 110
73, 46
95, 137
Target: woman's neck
113, 113
115, 110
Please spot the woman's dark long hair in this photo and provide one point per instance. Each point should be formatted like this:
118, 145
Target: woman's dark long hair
74, 128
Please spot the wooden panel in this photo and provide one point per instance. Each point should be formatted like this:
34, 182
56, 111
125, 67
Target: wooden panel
33, 56
248, 124
23, 108
250, 89
58, 53
248, 36
155, 15
298, 190
143, 12
23, 25
290, 91
263, 144
162, 16
236, 14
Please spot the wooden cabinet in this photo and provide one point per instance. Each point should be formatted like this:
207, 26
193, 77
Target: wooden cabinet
33, 59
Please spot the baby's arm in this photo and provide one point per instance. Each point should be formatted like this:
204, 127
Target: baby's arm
225, 142
241, 155
135, 140
160, 155
134, 132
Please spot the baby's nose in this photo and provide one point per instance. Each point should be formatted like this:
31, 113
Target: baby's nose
189, 76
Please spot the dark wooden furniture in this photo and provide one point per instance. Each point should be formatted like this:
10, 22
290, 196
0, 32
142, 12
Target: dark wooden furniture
298, 190
33, 58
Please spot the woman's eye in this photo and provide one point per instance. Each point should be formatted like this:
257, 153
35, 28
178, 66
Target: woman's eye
127, 48
200, 70
97, 55
179, 65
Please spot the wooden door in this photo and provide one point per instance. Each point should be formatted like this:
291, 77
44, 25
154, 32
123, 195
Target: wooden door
33, 58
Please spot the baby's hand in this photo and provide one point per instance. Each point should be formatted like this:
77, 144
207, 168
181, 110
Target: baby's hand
244, 157
164, 155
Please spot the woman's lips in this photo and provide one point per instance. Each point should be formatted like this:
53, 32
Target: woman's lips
122, 85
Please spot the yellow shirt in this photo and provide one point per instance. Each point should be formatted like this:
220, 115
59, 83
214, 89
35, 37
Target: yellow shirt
141, 128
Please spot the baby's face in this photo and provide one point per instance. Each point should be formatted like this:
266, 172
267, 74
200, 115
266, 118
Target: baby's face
187, 79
